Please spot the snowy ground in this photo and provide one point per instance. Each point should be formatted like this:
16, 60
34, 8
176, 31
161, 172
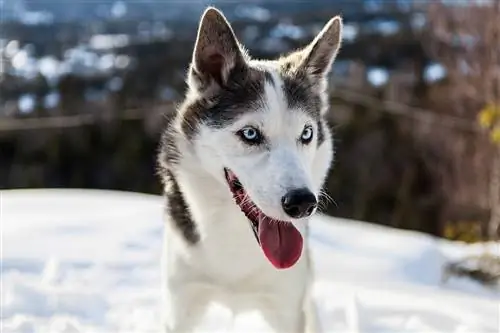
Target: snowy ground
88, 261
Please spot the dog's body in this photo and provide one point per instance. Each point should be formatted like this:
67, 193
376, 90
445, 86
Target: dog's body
264, 122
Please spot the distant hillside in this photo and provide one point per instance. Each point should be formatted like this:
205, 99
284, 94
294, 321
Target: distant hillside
183, 10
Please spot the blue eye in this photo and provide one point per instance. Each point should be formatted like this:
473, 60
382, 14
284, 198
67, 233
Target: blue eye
307, 135
250, 135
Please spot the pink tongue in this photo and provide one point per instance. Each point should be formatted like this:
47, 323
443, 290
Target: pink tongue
281, 243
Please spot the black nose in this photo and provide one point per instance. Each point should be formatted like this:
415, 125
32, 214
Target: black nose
299, 203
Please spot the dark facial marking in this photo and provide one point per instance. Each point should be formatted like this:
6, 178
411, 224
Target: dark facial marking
269, 78
321, 133
176, 208
286, 66
299, 92
168, 151
242, 94
178, 211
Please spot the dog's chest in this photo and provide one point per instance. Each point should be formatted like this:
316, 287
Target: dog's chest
232, 269
229, 250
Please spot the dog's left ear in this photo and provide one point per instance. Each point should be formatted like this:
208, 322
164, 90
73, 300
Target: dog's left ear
317, 58
217, 52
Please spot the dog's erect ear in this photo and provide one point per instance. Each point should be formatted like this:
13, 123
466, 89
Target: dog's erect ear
318, 56
216, 51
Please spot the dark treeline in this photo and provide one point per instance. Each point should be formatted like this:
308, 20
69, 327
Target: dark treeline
383, 172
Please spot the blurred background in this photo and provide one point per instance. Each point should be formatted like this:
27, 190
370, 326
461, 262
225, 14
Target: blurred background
415, 96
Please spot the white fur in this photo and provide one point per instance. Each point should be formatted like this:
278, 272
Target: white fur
227, 265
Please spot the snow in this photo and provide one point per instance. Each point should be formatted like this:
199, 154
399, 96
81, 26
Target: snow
24, 64
252, 12
12, 48
51, 100
49, 67
103, 41
119, 9
377, 76
89, 261
350, 32
26, 103
384, 27
418, 21
434, 72
287, 30
37, 18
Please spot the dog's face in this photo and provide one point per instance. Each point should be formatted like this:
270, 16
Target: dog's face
258, 127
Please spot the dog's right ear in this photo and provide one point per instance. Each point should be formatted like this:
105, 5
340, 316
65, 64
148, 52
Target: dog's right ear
216, 52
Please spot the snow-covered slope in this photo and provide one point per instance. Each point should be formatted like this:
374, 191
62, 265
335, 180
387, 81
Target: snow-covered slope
88, 261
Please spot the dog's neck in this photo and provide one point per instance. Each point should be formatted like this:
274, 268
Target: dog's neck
209, 200
204, 194
226, 246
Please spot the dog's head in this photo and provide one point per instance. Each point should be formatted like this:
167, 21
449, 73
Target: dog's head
258, 128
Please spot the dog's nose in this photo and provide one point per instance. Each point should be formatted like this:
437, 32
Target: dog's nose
299, 203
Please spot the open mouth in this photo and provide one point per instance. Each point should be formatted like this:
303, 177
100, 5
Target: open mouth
280, 241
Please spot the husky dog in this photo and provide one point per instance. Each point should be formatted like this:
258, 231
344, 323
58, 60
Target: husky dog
243, 161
